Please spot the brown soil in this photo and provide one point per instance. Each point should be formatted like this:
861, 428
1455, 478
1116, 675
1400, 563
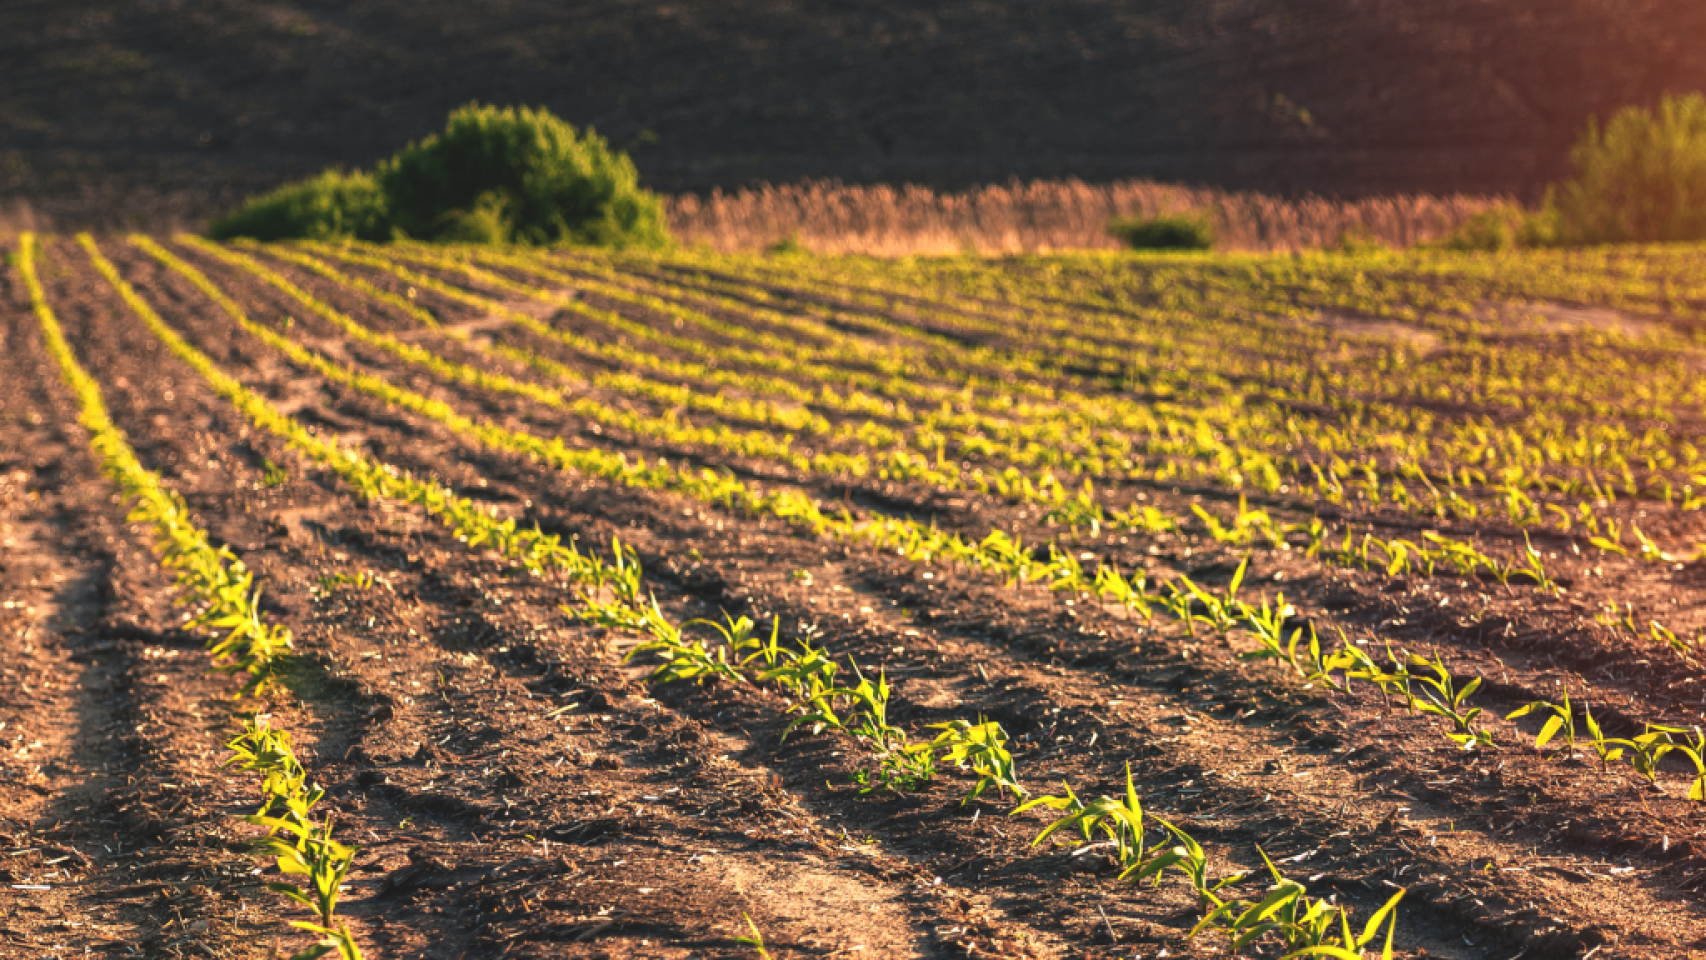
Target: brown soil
518, 792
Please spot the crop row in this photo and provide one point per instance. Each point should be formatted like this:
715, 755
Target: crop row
225, 601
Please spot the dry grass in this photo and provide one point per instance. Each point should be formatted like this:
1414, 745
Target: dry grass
825, 217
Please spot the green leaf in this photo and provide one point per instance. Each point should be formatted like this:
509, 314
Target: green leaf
1372, 927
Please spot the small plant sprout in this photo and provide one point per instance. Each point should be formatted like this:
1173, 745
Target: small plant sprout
1121, 821
1268, 625
1649, 551
1683, 648
1650, 746
754, 939
1442, 697
308, 850
1562, 718
1307, 927
273, 476
682, 659
1609, 750
902, 764
1188, 857
981, 747
1536, 569
1694, 748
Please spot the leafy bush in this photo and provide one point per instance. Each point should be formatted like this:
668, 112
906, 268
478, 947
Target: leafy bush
1642, 179
525, 170
492, 176
1172, 232
333, 204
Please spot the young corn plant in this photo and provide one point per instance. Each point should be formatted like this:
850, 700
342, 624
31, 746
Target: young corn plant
681, 658
1079, 510
1221, 611
1188, 857
1133, 594
1442, 697
273, 476
901, 764
1179, 603
1533, 566
1307, 927
285, 790
1649, 747
755, 940
1357, 663
1680, 646
1694, 748
1308, 660
308, 850
1121, 821
1649, 552
982, 748
1608, 749
1563, 718
1145, 519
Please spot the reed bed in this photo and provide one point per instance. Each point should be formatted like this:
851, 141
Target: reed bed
1041, 216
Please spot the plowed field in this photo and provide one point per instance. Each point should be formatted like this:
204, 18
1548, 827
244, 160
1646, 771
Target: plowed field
1266, 548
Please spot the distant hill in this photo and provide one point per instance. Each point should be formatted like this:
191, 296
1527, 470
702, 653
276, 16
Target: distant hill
160, 111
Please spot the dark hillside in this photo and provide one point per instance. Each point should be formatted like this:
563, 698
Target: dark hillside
166, 111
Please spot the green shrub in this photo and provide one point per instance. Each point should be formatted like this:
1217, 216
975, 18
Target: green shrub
492, 176
485, 222
333, 205
550, 185
1173, 232
1641, 179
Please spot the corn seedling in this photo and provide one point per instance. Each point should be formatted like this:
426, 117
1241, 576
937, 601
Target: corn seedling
1307, 927
1649, 747
1221, 610
1694, 748
902, 764
1649, 551
1562, 718
1121, 821
1442, 697
981, 747
285, 790
1187, 856
273, 476
308, 850
754, 939
1681, 647
681, 659
1609, 750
